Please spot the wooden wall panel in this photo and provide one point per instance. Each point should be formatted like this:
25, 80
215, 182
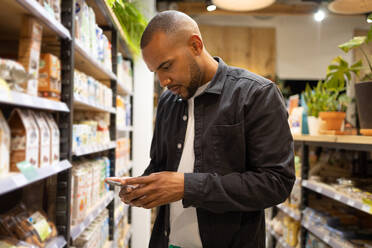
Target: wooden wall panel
250, 48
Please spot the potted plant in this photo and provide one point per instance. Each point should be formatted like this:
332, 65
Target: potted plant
328, 100
363, 89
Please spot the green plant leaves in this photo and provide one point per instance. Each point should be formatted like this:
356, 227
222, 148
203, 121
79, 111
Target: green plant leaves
132, 21
354, 42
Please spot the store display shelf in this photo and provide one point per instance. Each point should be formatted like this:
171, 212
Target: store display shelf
14, 10
89, 65
24, 100
15, 181
85, 150
78, 229
57, 242
330, 192
125, 170
322, 234
123, 90
120, 213
278, 237
348, 142
128, 236
293, 213
84, 104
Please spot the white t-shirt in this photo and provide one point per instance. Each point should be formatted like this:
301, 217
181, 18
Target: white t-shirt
184, 229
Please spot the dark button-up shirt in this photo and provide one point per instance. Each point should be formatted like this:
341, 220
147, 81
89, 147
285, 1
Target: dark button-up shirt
243, 157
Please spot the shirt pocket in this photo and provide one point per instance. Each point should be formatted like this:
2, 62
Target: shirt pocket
229, 147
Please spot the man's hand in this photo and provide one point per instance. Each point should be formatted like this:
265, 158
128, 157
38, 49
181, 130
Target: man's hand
155, 190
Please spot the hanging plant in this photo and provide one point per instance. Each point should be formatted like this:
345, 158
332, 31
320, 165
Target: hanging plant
132, 22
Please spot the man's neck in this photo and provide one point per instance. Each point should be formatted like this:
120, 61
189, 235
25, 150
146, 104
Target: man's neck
211, 66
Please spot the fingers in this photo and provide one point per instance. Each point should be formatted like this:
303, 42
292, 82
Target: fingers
138, 180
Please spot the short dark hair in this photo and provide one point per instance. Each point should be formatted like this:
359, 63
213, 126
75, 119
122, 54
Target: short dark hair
166, 21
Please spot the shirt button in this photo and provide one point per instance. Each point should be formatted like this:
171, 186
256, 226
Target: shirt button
184, 117
165, 233
179, 145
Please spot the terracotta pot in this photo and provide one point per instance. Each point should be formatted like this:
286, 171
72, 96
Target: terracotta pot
333, 120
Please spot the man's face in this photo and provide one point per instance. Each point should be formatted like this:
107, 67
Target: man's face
174, 65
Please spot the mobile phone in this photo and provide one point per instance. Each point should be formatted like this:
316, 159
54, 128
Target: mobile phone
113, 183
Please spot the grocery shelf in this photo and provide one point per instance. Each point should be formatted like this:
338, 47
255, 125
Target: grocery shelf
348, 142
57, 242
123, 90
91, 216
84, 104
121, 214
322, 234
294, 213
14, 9
23, 100
330, 192
85, 150
15, 181
89, 65
125, 170
278, 238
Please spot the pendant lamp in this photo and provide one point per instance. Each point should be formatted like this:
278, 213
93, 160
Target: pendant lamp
242, 5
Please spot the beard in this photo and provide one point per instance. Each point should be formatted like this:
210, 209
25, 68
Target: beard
195, 78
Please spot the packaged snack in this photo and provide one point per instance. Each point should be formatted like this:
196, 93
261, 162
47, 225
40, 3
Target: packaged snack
45, 139
14, 74
4, 146
25, 139
49, 77
54, 135
29, 50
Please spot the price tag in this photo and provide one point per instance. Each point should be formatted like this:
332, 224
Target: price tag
304, 183
326, 239
19, 180
337, 197
28, 170
318, 189
306, 225
351, 202
366, 208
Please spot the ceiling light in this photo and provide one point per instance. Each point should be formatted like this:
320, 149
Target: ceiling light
319, 15
211, 7
242, 5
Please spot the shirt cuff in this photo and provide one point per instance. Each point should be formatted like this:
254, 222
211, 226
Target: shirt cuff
193, 191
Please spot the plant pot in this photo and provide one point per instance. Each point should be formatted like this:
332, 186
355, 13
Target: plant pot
363, 94
333, 120
313, 124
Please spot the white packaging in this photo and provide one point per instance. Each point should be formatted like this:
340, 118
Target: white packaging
25, 139
4, 146
45, 139
54, 131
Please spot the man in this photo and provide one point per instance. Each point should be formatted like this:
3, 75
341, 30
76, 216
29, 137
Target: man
222, 150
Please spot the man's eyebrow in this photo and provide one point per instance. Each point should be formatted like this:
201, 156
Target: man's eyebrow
162, 64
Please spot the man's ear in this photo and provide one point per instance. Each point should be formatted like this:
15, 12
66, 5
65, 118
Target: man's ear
196, 44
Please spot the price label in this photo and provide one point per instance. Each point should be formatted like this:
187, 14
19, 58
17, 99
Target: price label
306, 225
366, 208
337, 197
304, 183
351, 202
318, 189
326, 239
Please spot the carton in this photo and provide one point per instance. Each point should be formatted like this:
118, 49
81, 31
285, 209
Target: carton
49, 77
4, 145
54, 134
25, 139
29, 50
44, 143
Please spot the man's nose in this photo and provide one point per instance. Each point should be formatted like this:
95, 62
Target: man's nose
164, 81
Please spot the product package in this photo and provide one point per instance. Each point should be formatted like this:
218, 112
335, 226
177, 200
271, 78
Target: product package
45, 139
29, 50
14, 74
25, 139
54, 135
4, 146
49, 77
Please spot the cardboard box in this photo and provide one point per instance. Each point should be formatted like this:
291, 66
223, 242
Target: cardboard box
54, 134
25, 139
49, 76
29, 50
45, 139
4, 146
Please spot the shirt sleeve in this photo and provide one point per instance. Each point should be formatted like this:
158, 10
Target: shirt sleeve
269, 175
